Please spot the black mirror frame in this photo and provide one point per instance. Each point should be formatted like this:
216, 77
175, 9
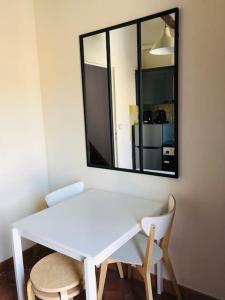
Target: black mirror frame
176, 55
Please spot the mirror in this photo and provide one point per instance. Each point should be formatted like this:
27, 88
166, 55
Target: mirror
123, 55
130, 89
97, 101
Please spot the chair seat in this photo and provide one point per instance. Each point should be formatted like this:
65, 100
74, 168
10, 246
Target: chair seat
133, 252
56, 273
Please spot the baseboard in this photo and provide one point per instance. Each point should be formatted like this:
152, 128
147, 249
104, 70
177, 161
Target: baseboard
6, 265
35, 250
187, 293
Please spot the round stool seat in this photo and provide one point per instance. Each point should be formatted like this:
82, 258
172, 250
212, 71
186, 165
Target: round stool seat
56, 296
56, 273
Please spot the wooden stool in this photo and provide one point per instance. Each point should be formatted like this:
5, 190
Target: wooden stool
56, 277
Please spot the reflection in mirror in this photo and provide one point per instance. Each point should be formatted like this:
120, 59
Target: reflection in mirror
123, 54
157, 95
130, 88
97, 104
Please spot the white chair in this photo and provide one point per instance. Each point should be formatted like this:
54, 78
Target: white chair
142, 252
57, 276
64, 193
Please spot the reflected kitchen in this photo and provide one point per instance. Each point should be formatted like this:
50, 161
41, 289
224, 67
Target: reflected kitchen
129, 92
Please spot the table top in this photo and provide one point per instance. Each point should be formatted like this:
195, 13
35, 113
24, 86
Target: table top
88, 224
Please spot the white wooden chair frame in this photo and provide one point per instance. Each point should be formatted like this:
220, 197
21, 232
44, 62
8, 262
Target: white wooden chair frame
62, 194
144, 269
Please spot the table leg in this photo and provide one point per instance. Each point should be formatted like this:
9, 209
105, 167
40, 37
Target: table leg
18, 263
90, 279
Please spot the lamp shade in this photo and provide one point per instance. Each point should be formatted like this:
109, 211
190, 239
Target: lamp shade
165, 45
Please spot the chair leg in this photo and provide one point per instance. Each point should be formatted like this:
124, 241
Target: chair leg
159, 277
120, 269
30, 293
148, 286
103, 272
129, 273
171, 273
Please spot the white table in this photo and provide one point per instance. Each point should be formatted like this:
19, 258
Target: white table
88, 227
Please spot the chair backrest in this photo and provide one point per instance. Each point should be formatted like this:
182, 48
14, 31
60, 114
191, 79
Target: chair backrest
158, 228
64, 193
162, 222
171, 203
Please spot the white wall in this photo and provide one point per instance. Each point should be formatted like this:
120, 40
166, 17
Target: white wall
23, 175
123, 50
95, 50
155, 61
197, 245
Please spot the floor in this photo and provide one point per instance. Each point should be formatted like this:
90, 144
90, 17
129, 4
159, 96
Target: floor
115, 289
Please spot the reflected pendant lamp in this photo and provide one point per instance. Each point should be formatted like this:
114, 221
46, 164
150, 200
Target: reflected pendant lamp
165, 45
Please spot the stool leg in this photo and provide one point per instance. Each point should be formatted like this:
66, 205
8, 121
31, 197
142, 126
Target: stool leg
63, 295
30, 293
